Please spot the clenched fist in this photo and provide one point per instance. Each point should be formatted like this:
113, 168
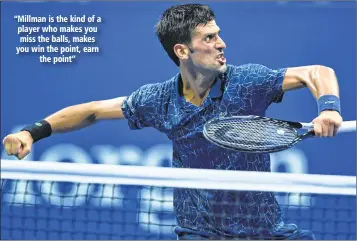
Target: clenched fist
18, 144
327, 123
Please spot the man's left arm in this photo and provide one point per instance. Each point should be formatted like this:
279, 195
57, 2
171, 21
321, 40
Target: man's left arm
322, 82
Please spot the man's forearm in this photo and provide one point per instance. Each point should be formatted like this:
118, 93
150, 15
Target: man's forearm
323, 84
72, 118
323, 81
324, 87
68, 119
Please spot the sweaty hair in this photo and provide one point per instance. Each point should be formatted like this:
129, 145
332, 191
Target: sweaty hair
177, 24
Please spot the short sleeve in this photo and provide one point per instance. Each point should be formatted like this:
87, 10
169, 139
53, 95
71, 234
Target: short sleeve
142, 106
264, 85
268, 83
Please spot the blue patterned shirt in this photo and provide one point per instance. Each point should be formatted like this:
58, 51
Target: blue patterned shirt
243, 90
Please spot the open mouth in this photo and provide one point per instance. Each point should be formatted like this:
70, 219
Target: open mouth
221, 59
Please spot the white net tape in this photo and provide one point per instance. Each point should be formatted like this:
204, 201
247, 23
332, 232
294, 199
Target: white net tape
178, 177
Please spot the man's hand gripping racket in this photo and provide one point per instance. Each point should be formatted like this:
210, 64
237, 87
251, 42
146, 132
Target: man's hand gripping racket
261, 134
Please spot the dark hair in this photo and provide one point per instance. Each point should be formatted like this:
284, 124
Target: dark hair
177, 24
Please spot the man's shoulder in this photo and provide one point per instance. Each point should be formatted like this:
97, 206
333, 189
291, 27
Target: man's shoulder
157, 86
245, 68
155, 91
250, 71
241, 73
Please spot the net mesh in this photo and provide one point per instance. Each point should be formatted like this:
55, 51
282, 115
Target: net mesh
257, 134
70, 210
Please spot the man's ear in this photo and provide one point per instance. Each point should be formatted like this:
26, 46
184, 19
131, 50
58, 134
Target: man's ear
181, 51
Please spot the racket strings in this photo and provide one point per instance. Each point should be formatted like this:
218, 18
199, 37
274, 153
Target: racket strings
252, 134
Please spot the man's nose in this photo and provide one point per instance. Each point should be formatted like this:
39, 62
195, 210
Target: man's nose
220, 44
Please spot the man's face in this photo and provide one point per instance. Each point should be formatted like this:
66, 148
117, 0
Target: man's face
207, 49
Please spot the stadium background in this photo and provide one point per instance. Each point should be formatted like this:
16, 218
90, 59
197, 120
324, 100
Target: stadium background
276, 34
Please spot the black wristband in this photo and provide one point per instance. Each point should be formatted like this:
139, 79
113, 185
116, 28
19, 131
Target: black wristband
39, 130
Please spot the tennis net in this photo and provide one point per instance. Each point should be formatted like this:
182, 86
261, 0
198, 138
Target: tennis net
44, 200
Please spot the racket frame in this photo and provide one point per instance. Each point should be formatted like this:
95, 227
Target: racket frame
290, 124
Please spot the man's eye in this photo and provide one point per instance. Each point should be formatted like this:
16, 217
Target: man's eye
209, 37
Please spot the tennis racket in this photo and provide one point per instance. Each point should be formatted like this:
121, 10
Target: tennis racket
258, 134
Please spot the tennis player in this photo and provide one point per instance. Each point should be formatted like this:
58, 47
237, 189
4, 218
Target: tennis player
205, 87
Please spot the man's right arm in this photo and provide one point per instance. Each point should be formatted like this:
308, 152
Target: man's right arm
82, 115
68, 119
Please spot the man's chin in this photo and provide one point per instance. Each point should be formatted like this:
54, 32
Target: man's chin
222, 69
216, 69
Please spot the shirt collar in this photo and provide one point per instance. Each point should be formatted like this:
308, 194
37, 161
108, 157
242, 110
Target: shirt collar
216, 89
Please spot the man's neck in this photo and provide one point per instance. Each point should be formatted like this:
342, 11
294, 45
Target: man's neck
195, 85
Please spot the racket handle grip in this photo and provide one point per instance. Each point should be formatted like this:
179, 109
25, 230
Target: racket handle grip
347, 126
307, 126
